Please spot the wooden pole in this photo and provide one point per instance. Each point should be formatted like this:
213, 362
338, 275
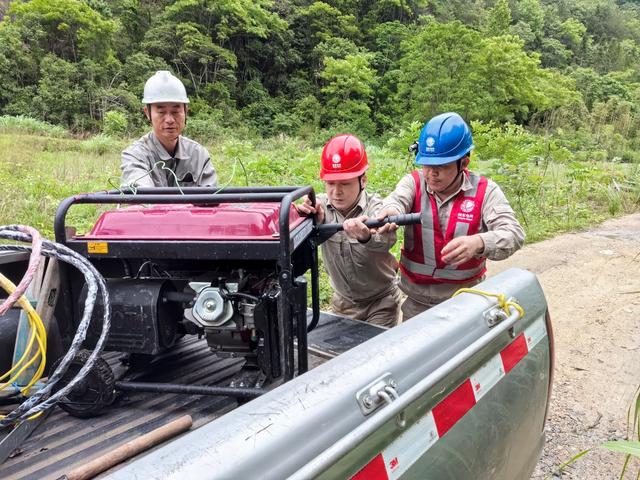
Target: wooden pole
130, 449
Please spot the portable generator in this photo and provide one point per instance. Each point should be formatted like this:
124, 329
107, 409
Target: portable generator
224, 264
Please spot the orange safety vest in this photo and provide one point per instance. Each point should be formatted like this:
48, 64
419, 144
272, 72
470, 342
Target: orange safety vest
421, 257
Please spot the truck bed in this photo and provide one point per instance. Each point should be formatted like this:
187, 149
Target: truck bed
62, 442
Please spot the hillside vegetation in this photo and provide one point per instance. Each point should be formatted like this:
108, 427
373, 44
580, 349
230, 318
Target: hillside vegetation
551, 89
568, 68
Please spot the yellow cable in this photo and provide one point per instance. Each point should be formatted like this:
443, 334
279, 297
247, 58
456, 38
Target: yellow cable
32, 417
502, 300
38, 333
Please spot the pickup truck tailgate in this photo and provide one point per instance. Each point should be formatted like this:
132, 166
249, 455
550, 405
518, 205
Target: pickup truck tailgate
463, 396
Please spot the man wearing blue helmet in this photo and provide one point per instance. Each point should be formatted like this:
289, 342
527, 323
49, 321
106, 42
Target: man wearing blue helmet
466, 219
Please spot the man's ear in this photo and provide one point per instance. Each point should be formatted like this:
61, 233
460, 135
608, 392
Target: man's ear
465, 161
147, 112
363, 181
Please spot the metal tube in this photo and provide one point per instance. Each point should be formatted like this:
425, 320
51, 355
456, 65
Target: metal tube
240, 392
195, 195
202, 190
285, 274
196, 198
315, 289
340, 448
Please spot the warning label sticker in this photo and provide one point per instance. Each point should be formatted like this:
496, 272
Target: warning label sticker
97, 247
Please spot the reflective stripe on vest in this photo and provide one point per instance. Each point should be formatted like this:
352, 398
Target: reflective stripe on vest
421, 259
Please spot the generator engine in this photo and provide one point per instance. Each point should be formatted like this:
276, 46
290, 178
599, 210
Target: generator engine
226, 266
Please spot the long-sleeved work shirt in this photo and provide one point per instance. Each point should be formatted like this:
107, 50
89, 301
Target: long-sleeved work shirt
190, 163
359, 272
500, 231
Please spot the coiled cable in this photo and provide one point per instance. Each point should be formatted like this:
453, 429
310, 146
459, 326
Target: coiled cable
96, 285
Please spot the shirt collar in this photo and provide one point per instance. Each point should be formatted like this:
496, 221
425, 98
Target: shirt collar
179, 154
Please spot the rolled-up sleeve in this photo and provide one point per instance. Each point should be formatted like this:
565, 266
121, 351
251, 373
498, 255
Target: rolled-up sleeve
504, 235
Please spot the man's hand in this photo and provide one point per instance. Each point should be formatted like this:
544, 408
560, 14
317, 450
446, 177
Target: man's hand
305, 208
384, 213
462, 249
355, 228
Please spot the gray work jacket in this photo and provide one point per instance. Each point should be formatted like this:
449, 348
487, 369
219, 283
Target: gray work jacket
190, 163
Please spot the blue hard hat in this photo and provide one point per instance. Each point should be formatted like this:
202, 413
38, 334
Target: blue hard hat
444, 139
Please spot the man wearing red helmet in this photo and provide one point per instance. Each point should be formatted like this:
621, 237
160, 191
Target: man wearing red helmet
465, 218
361, 269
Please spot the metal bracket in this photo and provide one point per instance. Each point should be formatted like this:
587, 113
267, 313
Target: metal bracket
382, 391
494, 315
368, 398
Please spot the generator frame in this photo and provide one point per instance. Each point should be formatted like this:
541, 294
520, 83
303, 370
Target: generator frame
292, 323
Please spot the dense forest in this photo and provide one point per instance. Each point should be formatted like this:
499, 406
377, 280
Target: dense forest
566, 68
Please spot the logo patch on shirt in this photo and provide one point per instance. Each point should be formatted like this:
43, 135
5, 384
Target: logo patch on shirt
467, 206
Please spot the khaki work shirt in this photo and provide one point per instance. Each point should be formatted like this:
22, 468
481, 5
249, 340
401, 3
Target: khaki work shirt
190, 163
500, 231
359, 272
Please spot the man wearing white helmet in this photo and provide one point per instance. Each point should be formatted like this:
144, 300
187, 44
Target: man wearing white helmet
163, 157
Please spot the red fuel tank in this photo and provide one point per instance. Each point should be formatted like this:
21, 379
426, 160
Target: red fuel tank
229, 221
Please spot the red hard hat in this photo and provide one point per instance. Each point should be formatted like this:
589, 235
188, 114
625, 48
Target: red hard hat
343, 157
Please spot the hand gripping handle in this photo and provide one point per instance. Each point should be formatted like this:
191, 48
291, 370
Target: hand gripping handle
328, 229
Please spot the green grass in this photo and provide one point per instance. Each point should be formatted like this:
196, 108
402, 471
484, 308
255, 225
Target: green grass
37, 172
30, 125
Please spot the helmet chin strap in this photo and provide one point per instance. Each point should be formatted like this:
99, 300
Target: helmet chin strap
455, 179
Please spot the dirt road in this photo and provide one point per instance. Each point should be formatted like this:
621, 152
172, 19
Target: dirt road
592, 284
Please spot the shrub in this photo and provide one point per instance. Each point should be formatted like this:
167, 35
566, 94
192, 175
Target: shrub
30, 125
115, 124
101, 145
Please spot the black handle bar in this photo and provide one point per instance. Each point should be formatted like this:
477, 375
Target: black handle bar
324, 232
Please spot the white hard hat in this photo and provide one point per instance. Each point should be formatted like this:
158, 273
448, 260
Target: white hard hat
164, 87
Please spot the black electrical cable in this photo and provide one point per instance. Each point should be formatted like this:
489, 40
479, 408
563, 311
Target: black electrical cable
43, 399
231, 295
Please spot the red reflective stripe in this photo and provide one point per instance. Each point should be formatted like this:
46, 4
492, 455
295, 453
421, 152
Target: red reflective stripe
446, 414
514, 352
479, 202
444, 234
374, 470
453, 408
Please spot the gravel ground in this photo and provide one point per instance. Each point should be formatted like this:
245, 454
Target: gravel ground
592, 283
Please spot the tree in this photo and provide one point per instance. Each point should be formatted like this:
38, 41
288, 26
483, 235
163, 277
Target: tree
434, 70
499, 19
349, 84
206, 40
69, 29
598, 88
529, 15
451, 67
60, 98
